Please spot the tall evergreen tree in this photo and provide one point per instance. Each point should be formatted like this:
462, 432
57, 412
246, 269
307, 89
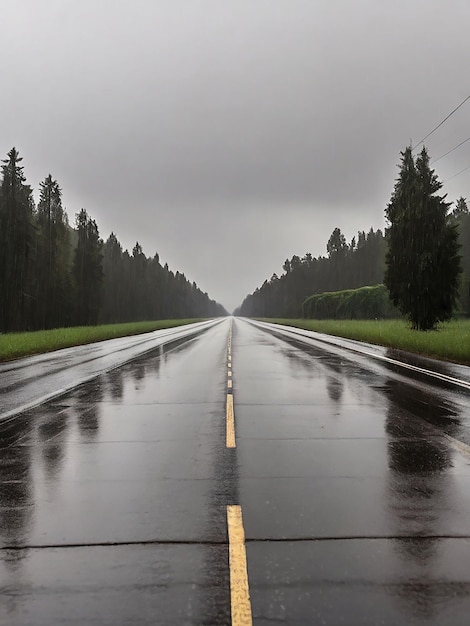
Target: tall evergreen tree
461, 207
52, 257
336, 246
422, 263
113, 280
16, 239
87, 270
461, 217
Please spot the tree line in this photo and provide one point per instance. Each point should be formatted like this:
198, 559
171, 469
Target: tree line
53, 275
346, 266
423, 258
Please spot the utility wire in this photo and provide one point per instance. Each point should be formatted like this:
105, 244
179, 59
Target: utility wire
455, 148
461, 172
439, 125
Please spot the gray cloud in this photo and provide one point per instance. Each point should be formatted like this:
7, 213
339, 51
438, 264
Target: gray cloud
230, 135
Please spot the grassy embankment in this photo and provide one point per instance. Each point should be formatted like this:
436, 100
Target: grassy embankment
451, 341
16, 345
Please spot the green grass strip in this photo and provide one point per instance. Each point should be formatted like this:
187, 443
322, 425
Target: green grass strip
16, 345
450, 342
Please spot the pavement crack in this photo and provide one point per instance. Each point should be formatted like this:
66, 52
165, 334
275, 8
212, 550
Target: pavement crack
104, 544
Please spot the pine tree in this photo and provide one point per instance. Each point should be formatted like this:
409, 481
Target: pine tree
52, 257
113, 280
87, 270
461, 217
461, 207
16, 239
422, 263
139, 292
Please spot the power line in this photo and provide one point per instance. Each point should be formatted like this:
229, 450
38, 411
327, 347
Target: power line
461, 172
455, 148
439, 125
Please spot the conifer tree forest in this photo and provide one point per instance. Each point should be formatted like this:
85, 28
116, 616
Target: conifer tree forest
54, 275
346, 266
423, 257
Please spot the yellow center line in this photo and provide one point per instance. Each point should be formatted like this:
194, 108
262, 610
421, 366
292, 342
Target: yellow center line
230, 423
239, 589
229, 417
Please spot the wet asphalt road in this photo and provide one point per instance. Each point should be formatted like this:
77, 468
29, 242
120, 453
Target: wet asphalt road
25, 383
353, 475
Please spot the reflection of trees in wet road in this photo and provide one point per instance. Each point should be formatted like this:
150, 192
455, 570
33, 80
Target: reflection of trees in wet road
88, 415
16, 484
52, 433
434, 404
419, 491
115, 384
335, 388
16, 505
331, 369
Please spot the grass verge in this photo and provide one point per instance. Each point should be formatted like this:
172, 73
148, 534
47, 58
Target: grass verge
16, 345
450, 342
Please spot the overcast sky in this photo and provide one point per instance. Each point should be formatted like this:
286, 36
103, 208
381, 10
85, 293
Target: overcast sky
227, 135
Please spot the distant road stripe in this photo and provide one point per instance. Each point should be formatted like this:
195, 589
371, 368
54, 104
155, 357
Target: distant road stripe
239, 590
229, 385
230, 443
458, 445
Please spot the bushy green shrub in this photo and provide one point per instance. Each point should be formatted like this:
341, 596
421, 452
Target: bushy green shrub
364, 303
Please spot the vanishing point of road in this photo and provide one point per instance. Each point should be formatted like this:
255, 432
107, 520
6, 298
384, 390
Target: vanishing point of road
234, 472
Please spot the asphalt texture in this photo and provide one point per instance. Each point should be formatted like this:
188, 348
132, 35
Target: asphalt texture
352, 472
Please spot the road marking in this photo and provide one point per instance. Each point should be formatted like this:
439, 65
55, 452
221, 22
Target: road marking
230, 421
458, 445
229, 413
239, 590
296, 332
